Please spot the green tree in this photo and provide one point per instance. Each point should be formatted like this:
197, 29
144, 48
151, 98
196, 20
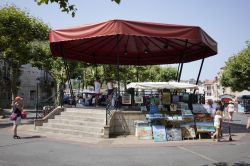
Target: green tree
236, 74
65, 6
167, 74
18, 31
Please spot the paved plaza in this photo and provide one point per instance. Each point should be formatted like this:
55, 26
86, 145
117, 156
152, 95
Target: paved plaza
36, 149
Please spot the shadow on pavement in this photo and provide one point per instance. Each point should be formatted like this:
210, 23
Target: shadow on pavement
235, 128
32, 137
241, 163
5, 125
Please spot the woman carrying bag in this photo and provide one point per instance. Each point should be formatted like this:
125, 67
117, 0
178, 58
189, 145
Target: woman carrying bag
17, 109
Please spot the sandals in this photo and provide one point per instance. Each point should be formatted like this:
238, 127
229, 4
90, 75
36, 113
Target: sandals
16, 137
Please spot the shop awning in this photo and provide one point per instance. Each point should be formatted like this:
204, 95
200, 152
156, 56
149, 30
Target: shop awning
161, 85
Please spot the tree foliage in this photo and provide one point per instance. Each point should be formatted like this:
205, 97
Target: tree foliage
236, 73
64, 5
18, 31
126, 73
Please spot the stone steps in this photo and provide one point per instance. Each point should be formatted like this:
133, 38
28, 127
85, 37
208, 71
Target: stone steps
74, 133
77, 122
74, 127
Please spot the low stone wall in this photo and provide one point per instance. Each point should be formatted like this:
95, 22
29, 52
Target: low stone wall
123, 122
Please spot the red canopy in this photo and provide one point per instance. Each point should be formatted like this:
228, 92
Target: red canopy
132, 43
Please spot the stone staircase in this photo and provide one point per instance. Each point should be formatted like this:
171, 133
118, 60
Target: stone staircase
77, 122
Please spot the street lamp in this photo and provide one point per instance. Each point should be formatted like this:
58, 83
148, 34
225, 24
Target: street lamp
37, 84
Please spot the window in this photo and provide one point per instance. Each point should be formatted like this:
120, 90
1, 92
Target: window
32, 95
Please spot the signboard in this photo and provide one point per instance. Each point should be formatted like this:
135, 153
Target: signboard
126, 99
138, 99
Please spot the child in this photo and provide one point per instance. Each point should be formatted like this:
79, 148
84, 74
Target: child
248, 122
217, 124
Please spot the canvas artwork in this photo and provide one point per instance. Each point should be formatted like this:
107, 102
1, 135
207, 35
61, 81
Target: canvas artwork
175, 99
166, 98
153, 109
199, 108
126, 99
174, 134
185, 97
173, 107
138, 99
182, 106
205, 126
144, 132
188, 131
143, 108
159, 133
186, 112
188, 127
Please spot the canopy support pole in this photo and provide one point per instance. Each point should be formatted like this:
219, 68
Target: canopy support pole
198, 77
197, 81
118, 64
137, 74
183, 57
95, 66
180, 72
177, 73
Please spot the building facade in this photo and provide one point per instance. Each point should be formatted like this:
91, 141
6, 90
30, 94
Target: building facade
37, 86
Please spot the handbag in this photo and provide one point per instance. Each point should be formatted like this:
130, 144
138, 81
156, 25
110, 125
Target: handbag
23, 115
13, 116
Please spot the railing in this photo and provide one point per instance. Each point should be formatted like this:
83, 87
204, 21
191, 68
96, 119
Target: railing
44, 107
112, 104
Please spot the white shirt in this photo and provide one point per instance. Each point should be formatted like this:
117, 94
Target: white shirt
110, 85
217, 120
230, 107
97, 86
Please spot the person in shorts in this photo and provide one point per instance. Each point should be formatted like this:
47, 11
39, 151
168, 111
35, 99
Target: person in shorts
17, 108
217, 124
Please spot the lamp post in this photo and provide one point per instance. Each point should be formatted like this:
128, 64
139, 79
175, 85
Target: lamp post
37, 94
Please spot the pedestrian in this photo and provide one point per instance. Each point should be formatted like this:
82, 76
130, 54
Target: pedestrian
97, 85
221, 107
217, 125
110, 86
248, 122
230, 110
17, 109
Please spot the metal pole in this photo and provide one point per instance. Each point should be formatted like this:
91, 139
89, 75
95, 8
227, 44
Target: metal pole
198, 77
36, 98
118, 65
197, 81
180, 72
229, 131
137, 74
177, 74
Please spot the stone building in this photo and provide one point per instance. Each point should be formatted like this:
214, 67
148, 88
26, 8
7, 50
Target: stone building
37, 86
